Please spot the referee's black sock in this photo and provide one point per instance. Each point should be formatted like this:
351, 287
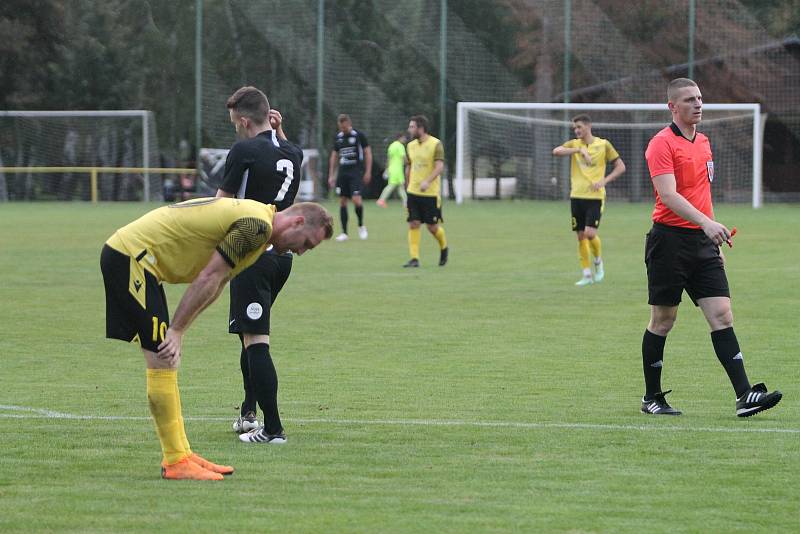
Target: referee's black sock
727, 348
360, 214
652, 362
343, 218
264, 380
249, 404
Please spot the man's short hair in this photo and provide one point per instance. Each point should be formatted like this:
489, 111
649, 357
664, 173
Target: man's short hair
583, 117
677, 84
250, 102
315, 216
421, 121
343, 117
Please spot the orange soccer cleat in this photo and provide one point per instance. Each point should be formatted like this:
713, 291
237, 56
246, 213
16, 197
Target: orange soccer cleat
211, 466
188, 470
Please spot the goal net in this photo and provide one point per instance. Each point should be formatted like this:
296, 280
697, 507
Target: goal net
504, 150
49, 145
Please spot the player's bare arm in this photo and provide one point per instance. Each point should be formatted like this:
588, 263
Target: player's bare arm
276, 121
562, 151
367, 165
201, 292
438, 167
617, 170
223, 194
406, 170
332, 168
665, 186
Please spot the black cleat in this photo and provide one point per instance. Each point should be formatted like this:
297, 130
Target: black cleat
443, 257
756, 399
657, 405
413, 262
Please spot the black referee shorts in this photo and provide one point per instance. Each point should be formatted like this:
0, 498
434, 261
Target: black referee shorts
682, 258
136, 307
254, 291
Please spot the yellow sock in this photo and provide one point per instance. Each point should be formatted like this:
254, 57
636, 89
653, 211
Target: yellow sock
583, 253
595, 244
184, 439
441, 237
165, 407
413, 242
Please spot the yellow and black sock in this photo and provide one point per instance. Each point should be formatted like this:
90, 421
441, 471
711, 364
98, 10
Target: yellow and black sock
165, 407
595, 245
441, 238
413, 242
583, 253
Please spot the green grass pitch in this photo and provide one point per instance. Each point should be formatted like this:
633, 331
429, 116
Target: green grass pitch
489, 395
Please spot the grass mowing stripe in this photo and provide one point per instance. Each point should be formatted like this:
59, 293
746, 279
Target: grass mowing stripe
39, 413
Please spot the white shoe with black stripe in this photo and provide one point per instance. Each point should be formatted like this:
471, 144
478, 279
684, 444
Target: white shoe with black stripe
756, 399
657, 405
260, 435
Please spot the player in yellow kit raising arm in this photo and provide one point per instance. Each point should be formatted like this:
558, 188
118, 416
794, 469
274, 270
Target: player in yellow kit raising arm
425, 156
203, 242
589, 155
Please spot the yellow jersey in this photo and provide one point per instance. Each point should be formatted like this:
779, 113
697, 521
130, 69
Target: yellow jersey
421, 159
582, 175
176, 242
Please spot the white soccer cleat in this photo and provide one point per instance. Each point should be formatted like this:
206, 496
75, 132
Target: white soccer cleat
599, 273
260, 436
245, 423
585, 281
342, 237
362, 232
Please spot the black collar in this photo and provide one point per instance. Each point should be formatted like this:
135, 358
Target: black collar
677, 131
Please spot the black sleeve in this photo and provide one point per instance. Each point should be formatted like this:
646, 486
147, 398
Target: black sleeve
362, 139
236, 164
335, 146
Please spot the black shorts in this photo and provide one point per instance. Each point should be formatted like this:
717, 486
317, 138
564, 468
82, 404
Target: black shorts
136, 307
425, 209
348, 183
586, 212
254, 291
682, 258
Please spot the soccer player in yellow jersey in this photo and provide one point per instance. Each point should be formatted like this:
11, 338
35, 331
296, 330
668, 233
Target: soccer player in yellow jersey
589, 156
203, 242
425, 158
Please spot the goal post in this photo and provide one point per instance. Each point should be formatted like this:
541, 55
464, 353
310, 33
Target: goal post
88, 139
507, 147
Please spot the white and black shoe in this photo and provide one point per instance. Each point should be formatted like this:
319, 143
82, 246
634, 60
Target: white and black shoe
260, 435
756, 399
657, 405
246, 423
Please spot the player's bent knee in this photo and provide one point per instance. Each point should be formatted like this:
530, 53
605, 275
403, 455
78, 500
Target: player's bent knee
254, 339
413, 224
433, 228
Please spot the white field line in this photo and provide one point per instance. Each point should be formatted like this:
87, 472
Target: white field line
25, 412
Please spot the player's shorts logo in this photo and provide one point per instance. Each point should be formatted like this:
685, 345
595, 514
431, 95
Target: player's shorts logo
710, 169
254, 310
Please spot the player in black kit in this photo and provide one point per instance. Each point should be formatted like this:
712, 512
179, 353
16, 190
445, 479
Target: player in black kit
352, 152
261, 166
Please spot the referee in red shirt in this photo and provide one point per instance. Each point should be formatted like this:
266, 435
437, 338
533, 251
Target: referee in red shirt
683, 252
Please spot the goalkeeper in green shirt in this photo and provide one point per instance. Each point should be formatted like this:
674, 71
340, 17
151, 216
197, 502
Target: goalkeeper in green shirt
395, 157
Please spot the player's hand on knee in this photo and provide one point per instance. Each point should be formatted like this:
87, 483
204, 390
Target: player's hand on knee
716, 232
169, 351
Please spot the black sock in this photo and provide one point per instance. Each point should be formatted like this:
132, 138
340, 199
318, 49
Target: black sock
360, 214
249, 404
652, 362
343, 218
264, 380
727, 348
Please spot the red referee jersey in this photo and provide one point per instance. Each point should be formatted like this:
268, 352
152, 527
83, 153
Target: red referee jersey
669, 152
